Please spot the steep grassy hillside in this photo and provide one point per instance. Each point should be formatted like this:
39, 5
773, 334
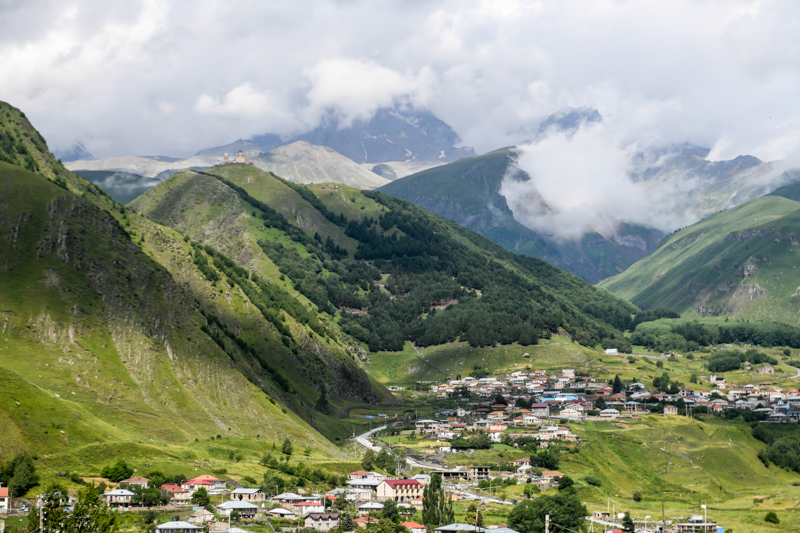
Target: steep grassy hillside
304, 346
99, 344
117, 331
468, 192
739, 262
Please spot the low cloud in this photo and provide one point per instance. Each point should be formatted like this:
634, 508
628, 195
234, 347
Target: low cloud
356, 89
595, 178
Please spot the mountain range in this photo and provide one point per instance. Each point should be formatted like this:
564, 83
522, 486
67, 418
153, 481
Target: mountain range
411, 154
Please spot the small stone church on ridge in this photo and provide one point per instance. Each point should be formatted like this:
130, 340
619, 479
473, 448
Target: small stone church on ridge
238, 161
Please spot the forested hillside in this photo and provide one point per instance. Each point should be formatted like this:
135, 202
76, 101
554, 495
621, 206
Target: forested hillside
469, 192
388, 270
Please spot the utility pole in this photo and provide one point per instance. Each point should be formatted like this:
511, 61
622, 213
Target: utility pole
547, 523
40, 501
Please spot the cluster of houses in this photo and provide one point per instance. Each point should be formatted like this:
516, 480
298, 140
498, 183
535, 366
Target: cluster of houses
563, 396
367, 491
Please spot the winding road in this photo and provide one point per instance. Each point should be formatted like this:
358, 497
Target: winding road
363, 440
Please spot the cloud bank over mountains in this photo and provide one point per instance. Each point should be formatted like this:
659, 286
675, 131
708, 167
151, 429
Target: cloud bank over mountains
171, 77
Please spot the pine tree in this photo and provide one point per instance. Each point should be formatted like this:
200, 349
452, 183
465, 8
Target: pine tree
437, 508
347, 523
618, 386
627, 524
286, 448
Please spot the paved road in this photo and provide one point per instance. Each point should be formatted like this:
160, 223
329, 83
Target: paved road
363, 440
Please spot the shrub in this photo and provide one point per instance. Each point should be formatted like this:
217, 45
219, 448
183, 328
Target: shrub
637, 496
772, 518
593, 481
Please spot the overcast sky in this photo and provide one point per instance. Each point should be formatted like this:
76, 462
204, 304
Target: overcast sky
172, 77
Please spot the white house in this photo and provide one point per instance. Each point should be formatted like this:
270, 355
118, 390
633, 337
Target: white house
306, 508
178, 527
609, 413
245, 509
282, 513
118, 498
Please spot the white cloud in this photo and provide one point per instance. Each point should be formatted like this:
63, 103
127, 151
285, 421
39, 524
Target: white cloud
356, 89
240, 102
175, 76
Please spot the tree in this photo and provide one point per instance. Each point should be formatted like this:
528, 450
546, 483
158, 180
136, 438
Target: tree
398, 459
90, 514
474, 516
437, 510
565, 482
600, 403
234, 515
389, 511
23, 475
118, 472
346, 522
383, 460
593, 480
200, 497
618, 386
368, 461
637, 496
628, 525
530, 490
286, 447
772, 518
565, 510
156, 480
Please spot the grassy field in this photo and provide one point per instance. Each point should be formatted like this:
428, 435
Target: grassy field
446, 361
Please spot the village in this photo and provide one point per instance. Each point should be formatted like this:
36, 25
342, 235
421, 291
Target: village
527, 410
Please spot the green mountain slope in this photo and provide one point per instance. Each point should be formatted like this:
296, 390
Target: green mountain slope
738, 262
116, 329
468, 192
99, 344
381, 269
